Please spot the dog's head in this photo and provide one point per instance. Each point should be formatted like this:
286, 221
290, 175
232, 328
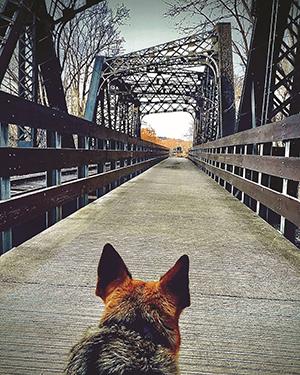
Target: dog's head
158, 303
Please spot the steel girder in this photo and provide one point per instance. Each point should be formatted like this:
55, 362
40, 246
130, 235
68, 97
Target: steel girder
62, 11
271, 86
182, 75
29, 66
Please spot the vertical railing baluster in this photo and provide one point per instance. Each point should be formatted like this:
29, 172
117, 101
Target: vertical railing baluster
83, 170
233, 168
5, 193
100, 166
113, 147
218, 165
285, 185
261, 152
122, 162
244, 173
53, 178
226, 167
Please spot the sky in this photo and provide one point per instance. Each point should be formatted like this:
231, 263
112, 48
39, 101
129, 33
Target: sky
145, 28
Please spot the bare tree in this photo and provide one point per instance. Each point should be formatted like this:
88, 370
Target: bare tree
93, 32
190, 131
200, 15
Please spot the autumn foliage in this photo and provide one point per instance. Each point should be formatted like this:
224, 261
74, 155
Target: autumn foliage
148, 134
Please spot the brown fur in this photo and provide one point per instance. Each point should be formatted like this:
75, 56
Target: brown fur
147, 311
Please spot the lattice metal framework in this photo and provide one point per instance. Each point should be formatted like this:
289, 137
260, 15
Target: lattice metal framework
29, 66
182, 75
285, 97
272, 82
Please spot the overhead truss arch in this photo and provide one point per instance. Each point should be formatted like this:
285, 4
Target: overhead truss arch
182, 75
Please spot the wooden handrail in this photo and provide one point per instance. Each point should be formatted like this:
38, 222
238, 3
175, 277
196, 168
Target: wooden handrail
279, 166
134, 154
284, 130
265, 177
17, 210
286, 206
18, 111
20, 161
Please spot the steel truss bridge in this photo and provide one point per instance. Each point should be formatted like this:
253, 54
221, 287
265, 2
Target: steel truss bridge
244, 272
192, 74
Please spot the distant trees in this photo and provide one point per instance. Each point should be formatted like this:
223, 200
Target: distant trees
149, 134
92, 32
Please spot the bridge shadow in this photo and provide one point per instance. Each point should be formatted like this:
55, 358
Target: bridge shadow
244, 316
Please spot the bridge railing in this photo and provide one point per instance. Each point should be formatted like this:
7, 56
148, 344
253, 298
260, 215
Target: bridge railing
261, 168
127, 156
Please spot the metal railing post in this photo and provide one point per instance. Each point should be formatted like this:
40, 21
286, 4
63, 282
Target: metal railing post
6, 236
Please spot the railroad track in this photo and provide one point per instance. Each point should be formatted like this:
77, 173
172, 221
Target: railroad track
30, 182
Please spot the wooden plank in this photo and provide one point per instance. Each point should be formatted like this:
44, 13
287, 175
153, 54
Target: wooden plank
22, 208
279, 166
22, 112
20, 161
286, 206
284, 130
244, 316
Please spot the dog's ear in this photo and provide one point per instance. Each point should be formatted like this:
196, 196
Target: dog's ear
176, 282
112, 271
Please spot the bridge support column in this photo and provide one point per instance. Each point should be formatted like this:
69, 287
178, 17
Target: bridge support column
263, 60
227, 102
197, 128
136, 118
89, 114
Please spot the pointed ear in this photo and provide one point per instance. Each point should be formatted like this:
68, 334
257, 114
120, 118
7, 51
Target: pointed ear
176, 282
112, 271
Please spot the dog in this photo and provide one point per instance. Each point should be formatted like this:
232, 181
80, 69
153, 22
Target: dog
138, 333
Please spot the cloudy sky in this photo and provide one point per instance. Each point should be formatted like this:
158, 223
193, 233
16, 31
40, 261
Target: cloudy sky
147, 27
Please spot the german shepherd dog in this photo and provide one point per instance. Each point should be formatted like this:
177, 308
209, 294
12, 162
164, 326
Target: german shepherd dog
138, 333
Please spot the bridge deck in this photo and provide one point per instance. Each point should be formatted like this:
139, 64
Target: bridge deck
244, 317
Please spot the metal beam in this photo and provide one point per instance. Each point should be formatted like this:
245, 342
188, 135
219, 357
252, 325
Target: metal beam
6, 235
267, 36
91, 104
12, 33
226, 86
50, 66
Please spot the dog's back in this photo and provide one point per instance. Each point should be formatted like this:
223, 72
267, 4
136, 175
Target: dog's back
116, 350
138, 333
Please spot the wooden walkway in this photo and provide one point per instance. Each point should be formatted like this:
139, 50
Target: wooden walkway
244, 317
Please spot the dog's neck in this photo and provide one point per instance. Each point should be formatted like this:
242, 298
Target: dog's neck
146, 330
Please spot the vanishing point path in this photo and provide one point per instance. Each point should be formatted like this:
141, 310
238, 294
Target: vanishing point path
244, 279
